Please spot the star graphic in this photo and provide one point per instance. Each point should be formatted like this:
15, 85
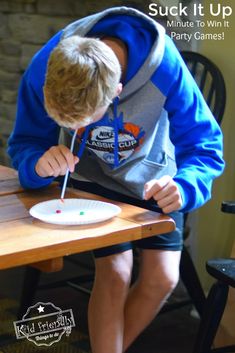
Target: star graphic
41, 309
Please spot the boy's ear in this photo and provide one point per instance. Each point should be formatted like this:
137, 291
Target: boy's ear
119, 89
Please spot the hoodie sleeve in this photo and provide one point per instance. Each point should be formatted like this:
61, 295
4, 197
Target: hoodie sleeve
34, 131
33, 134
193, 130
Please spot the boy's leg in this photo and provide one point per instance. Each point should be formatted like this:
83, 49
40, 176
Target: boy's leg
107, 301
158, 276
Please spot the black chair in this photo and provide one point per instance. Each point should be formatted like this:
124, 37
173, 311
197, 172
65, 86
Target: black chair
211, 83
223, 270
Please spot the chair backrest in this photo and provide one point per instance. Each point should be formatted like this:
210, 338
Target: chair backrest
210, 81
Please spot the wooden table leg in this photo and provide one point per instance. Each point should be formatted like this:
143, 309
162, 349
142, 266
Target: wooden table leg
51, 265
31, 281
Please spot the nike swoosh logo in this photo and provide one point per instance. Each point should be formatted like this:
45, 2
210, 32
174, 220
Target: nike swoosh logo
103, 138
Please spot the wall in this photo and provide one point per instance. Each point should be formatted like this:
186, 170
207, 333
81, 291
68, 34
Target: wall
215, 229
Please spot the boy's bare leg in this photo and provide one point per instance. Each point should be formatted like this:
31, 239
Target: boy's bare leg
106, 306
159, 273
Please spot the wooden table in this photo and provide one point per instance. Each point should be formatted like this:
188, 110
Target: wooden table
25, 240
9, 183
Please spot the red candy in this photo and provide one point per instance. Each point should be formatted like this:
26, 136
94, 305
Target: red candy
58, 211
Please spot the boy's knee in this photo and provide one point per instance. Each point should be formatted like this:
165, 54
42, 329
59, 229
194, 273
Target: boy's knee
114, 271
160, 282
169, 283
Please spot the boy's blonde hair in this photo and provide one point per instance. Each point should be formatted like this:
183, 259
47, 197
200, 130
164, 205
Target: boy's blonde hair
82, 75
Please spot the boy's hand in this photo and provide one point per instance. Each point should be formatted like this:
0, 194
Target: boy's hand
55, 162
165, 191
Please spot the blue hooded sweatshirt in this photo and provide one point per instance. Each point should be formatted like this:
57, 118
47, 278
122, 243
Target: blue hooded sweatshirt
160, 125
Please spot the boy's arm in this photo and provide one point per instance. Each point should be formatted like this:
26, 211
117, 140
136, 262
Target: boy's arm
33, 134
193, 131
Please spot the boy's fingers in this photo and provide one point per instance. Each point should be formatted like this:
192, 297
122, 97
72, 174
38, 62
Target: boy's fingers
55, 162
76, 160
70, 159
55, 157
165, 192
166, 201
174, 206
155, 185
43, 168
169, 190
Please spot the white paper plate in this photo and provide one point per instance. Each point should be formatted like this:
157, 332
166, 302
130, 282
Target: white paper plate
74, 211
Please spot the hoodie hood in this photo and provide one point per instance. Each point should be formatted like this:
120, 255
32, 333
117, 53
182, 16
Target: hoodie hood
145, 40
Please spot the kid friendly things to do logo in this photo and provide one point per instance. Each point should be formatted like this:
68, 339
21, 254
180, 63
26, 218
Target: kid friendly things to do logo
44, 324
198, 28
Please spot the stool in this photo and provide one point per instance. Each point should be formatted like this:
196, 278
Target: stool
223, 270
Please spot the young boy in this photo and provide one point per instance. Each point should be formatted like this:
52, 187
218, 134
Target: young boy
144, 132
